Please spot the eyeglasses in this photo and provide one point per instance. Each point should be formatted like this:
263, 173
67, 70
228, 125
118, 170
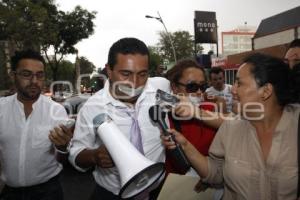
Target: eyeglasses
28, 75
194, 87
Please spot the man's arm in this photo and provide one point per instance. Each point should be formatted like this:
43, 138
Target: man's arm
88, 158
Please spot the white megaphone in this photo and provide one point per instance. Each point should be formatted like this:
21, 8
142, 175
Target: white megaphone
137, 173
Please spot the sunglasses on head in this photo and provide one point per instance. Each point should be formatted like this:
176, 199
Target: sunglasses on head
194, 87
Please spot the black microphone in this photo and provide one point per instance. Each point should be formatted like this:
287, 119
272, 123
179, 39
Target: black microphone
157, 115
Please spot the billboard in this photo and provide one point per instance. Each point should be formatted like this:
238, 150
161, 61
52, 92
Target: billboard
205, 26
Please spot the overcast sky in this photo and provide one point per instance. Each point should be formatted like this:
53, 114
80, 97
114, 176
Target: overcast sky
126, 18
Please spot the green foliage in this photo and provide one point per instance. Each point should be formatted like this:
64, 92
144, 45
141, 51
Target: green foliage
155, 60
5, 81
86, 67
40, 25
183, 43
66, 71
23, 20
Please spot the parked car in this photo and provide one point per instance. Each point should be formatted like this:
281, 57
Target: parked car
74, 103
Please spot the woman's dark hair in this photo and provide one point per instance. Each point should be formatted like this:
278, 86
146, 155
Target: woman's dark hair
126, 46
295, 83
268, 69
175, 73
25, 54
295, 43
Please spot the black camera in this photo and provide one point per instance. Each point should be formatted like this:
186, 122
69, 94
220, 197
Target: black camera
166, 100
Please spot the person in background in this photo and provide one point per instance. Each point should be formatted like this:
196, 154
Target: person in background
292, 56
219, 88
158, 71
32, 137
250, 155
126, 98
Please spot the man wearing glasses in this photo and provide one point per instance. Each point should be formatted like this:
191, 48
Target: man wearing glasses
32, 137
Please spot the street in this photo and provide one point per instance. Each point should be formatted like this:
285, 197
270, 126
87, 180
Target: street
76, 185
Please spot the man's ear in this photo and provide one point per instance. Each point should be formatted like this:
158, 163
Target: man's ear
267, 92
108, 70
12, 76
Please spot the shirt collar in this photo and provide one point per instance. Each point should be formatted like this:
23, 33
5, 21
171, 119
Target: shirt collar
21, 105
283, 123
286, 117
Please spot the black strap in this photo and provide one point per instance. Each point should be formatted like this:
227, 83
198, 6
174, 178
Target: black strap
298, 191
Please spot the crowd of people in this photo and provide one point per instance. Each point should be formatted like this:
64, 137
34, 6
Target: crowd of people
250, 152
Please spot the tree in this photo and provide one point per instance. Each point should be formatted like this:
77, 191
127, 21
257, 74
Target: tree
23, 21
40, 25
5, 81
155, 59
86, 67
66, 72
183, 44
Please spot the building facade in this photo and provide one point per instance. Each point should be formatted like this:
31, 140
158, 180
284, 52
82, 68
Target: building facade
277, 30
238, 40
272, 37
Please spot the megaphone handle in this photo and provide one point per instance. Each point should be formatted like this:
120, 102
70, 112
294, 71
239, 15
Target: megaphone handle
180, 157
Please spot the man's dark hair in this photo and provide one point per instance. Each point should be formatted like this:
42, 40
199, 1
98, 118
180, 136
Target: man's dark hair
25, 54
174, 74
216, 70
294, 43
126, 46
268, 69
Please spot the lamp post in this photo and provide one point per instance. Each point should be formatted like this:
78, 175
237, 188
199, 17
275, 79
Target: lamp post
168, 34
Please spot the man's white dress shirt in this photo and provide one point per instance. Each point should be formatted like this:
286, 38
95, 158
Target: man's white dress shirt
102, 102
27, 155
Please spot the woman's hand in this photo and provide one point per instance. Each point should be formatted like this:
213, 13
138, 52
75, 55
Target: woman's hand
168, 141
200, 186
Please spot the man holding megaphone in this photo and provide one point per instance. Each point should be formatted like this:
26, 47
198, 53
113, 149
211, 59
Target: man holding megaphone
126, 98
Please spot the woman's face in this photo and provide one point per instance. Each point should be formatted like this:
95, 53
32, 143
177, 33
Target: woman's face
246, 92
190, 83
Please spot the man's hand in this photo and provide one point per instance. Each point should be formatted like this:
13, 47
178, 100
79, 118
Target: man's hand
61, 136
219, 101
102, 157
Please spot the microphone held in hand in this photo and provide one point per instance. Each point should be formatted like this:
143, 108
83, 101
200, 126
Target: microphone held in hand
158, 116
